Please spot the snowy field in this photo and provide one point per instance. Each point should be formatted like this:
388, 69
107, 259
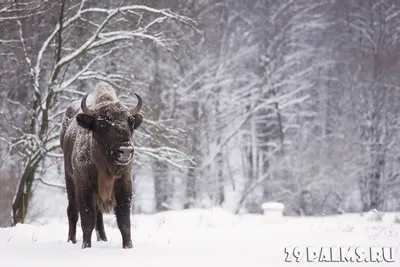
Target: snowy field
196, 238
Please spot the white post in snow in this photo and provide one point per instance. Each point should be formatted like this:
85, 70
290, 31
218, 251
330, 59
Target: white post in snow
273, 212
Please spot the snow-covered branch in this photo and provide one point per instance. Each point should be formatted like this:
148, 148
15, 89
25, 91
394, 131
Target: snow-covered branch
170, 155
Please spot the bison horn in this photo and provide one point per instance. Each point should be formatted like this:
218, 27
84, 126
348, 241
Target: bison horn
136, 109
84, 108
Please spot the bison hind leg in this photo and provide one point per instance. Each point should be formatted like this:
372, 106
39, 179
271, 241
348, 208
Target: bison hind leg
72, 221
101, 233
72, 209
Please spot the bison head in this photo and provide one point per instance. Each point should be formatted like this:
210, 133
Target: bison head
112, 125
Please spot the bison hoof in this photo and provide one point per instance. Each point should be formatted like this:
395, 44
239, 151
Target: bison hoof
102, 239
73, 240
86, 245
127, 245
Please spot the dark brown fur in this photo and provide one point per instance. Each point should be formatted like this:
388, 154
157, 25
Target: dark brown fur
96, 180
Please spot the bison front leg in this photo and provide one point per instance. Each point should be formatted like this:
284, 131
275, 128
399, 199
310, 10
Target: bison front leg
88, 216
123, 197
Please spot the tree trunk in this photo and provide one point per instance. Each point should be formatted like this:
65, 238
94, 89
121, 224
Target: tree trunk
190, 192
24, 192
191, 180
163, 188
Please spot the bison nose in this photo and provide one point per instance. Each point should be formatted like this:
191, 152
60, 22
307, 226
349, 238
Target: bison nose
125, 152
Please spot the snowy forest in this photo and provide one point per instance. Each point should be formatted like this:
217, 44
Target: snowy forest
293, 101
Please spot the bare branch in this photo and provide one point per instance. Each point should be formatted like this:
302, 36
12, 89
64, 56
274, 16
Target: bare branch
50, 184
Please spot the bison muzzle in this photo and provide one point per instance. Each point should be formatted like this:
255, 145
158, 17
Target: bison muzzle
97, 144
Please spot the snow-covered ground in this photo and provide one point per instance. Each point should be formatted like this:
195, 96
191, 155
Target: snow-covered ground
192, 238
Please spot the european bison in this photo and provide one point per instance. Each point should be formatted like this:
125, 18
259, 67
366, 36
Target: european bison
96, 139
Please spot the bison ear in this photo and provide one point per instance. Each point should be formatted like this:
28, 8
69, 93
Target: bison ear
85, 121
138, 120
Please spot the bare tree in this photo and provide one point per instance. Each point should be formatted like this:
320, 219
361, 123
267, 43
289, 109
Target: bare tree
52, 71
372, 40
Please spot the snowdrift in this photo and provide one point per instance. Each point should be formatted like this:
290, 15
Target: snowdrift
211, 237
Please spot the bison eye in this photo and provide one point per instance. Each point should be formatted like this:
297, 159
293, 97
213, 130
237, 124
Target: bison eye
130, 120
102, 123
109, 118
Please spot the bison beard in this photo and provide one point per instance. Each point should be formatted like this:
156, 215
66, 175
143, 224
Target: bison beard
98, 159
